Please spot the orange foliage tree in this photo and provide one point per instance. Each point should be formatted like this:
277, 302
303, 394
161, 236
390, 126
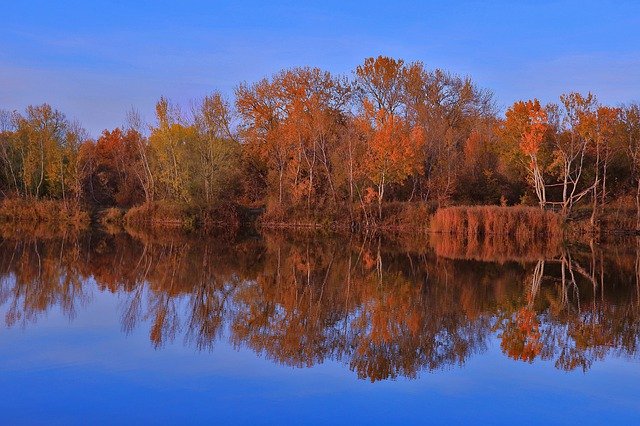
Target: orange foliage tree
571, 145
111, 169
292, 125
630, 123
393, 149
313, 147
527, 123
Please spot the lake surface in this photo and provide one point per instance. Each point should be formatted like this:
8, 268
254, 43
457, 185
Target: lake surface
123, 328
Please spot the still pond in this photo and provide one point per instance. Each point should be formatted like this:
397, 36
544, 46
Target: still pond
134, 328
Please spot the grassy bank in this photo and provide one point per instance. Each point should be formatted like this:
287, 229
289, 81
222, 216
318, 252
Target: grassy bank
21, 211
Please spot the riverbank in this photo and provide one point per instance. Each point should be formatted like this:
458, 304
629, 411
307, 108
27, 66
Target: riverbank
518, 221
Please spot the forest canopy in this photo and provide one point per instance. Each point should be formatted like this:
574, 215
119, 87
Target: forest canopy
308, 145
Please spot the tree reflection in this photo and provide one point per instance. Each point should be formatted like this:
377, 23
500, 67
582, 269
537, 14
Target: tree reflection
386, 307
520, 338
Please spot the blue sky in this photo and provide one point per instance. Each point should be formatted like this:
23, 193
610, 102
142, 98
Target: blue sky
95, 59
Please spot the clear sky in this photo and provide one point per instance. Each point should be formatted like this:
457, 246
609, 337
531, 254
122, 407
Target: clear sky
95, 59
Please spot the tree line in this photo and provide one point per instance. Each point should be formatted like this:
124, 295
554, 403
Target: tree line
306, 144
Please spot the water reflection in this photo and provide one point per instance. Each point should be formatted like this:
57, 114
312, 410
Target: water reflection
386, 307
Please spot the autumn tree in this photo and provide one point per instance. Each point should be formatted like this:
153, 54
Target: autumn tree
218, 149
572, 141
525, 127
39, 152
449, 108
262, 112
480, 179
604, 129
194, 160
134, 123
393, 149
380, 81
112, 169
630, 118
292, 123
9, 158
172, 143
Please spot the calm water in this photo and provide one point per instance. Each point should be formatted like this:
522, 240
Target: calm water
301, 328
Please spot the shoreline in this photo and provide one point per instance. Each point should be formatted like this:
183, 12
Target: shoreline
191, 219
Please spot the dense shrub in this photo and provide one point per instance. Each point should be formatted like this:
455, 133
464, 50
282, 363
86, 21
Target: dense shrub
406, 215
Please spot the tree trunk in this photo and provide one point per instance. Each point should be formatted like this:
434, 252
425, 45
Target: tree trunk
62, 180
594, 207
565, 185
380, 197
638, 205
41, 171
281, 171
604, 182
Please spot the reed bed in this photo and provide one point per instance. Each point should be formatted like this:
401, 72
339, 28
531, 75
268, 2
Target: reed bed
493, 233
518, 221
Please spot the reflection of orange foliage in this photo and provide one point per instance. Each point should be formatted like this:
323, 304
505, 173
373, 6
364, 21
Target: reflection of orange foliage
368, 260
300, 299
390, 313
521, 338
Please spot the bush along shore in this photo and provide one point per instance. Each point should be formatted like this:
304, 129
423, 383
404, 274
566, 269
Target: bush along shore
384, 148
